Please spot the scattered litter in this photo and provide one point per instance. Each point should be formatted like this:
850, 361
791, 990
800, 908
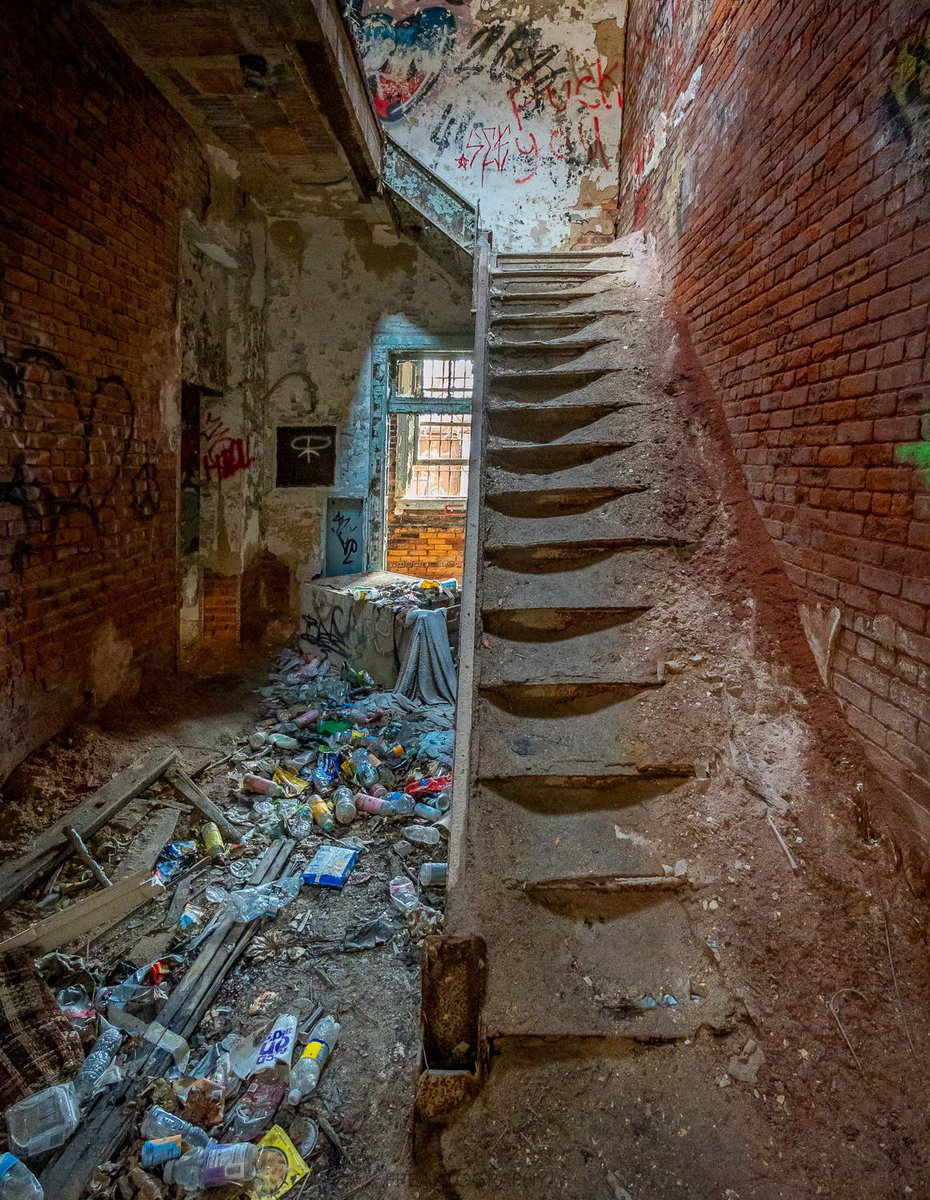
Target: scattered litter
370, 934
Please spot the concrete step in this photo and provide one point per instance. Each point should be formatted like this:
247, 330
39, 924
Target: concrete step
607, 649
564, 422
537, 627
630, 577
536, 503
546, 458
549, 558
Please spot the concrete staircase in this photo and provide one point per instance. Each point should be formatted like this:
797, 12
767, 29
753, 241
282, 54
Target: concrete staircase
579, 747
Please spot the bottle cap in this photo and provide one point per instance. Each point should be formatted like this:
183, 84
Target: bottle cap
7, 1162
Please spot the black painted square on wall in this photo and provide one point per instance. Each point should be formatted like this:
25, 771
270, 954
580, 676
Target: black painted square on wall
306, 456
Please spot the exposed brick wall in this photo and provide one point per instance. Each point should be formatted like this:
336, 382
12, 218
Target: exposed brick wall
425, 542
786, 189
221, 609
95, 170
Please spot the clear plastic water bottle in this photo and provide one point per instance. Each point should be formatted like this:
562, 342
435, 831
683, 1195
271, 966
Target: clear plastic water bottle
159, 1123
17, 1182
214, 1166
427, 812
346, 811
306, 1072
100, 1056
434, 875
402, 805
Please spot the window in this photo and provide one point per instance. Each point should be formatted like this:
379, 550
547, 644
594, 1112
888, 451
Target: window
446, 378
435, 454
431, 395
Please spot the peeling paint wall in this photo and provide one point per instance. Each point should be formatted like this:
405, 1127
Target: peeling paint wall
516, 105
334, 287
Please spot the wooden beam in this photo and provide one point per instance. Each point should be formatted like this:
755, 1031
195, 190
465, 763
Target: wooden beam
183, 783
51, 848
91, 916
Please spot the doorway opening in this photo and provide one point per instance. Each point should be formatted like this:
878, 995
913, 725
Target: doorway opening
429, 443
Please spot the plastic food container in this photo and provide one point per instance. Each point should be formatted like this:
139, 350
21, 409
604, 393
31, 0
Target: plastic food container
44, 1121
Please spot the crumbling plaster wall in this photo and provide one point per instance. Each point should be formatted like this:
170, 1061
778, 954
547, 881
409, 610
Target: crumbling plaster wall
516, 105
334, 288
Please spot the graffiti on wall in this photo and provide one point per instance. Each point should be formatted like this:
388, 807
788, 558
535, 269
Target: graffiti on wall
917, 454
405, 48
907, 100
552, 103
223, 455
58, 430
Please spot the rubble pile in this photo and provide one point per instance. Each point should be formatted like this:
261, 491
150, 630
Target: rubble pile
335, 772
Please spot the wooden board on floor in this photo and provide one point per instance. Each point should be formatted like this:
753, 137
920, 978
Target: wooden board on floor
182, 782
51, 847
93, 915
143, 853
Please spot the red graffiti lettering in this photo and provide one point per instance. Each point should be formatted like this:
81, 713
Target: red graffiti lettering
593, 143
531, 152
492, 144
227, 458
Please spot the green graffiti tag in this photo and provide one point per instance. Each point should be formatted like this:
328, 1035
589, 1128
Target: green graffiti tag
917, 453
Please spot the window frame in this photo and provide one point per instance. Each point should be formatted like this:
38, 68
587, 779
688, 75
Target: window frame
406, 411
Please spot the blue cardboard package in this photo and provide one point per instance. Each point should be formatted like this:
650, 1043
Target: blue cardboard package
330, 866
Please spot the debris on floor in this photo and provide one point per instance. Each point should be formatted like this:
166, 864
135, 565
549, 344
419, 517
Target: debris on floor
191, 982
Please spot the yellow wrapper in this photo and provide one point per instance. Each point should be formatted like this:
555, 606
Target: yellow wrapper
291, 781
277, 1139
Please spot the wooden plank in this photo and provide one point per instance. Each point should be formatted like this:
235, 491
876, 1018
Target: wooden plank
50, 848
144, 851
183, 783
109, 1120
93, 915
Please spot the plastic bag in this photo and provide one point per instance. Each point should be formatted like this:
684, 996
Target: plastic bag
266, 900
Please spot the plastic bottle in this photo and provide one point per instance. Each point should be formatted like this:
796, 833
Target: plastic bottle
215, 1166
434, 875
346, 811
426, 812
17, 1182
322, 814
365, 771
159, 1123
281, 741
100, 1056
258, 785
371, 804
402, 805
213, 841
305, 720
421, 835
306, 1072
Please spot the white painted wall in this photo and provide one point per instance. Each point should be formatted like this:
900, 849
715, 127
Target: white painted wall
516, 105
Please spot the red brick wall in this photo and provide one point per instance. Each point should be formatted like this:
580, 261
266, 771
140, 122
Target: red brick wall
786, 190
94, 172
221, 609
425, 542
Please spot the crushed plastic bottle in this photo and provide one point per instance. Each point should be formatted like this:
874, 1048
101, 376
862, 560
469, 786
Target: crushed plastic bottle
265, 900
215, 1166
426, 812
43, 1121
101, 1055
158, 1123
371, 804
306, 1072
421, 835
17, 1182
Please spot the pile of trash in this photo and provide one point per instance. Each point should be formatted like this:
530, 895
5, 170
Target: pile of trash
333, 766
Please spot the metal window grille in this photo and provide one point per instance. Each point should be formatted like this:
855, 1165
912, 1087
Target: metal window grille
440, 445
446, 378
